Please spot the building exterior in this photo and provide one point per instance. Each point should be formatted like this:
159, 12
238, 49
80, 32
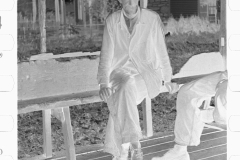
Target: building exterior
79, 9
204, 8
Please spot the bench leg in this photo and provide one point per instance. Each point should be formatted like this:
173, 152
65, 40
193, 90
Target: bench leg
63, 115
147, 117
47, 139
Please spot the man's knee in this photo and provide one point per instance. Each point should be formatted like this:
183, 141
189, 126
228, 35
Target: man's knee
127, 83
184, 93
185, 98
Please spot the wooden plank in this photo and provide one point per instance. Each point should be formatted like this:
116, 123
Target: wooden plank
57, 11
65, 55
34, 9
161, 149
147, 117
184, 80
216, 150
38, 104
222, 156
47, 139
223, 32
206, 141
158, 138
218, 126
68, 135
42, 25
161, 143
169, 137
208, 144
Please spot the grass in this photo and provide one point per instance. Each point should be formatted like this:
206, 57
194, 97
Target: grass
190, 25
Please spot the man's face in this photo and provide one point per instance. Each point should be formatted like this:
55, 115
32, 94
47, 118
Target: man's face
129, 6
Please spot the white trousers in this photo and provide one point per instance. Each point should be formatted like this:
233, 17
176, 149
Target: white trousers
123, 123
188, 124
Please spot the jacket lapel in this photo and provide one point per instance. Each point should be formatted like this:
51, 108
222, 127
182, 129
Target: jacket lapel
138, 33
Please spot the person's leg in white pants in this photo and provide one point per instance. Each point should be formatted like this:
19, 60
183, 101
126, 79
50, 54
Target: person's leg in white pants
189, 122
123, 124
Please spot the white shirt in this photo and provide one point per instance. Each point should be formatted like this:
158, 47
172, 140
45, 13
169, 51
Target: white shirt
131, 30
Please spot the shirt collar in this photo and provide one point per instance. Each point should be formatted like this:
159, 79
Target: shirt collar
138, 16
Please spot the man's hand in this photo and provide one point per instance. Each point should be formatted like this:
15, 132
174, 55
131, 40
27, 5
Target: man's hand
105, 93
172, 87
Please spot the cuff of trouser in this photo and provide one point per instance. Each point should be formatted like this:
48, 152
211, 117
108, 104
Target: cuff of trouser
132, 138
187, 144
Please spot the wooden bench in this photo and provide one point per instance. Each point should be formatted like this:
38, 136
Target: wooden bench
52, 98
41, 88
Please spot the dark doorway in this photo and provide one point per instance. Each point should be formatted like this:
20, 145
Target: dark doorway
186, 8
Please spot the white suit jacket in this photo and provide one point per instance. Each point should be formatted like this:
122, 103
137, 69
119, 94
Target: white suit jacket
146, 49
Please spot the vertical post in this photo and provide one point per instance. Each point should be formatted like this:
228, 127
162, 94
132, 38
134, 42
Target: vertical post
90, 14
198, 8
104, 10
47, 140
143, 3
57, 11
75, 2
63, 12
80, 8
207, 13
68, 135
34, 5
42, 25
84, 14
223, 33
147, 117
63, 115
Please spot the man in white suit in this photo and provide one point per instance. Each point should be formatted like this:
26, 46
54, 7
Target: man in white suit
134, 64
190, 120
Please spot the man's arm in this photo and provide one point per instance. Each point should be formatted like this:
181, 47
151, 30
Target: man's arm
161, 51
106, 55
